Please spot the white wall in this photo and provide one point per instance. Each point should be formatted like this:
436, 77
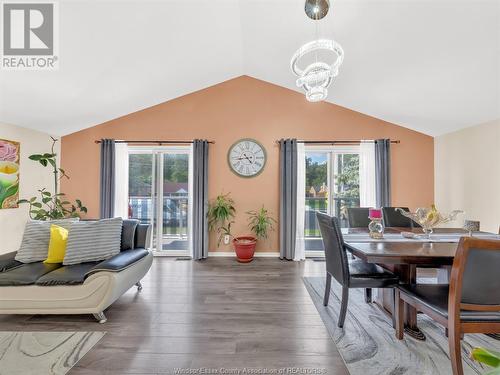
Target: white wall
467, 173
32, 177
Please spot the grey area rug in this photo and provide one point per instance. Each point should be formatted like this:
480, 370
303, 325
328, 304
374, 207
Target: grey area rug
368, 345
40, 353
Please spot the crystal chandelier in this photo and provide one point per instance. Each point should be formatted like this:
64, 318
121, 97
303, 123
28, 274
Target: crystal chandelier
316, 77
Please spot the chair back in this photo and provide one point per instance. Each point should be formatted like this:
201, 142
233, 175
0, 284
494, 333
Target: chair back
357, 217
335, 253
393, 218
475, 276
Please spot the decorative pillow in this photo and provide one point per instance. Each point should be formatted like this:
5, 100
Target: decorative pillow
57, 244
89, 241
35, 243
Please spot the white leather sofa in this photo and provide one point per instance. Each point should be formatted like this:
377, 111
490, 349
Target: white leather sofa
87, 288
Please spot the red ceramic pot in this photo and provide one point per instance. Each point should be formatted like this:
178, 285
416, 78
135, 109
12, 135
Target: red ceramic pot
245, 248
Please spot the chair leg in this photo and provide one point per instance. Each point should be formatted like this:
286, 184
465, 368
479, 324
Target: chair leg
327, 289
368, 295
343, 306
393, 315
455, 352
399, 312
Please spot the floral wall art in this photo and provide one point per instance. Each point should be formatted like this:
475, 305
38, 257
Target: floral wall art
9, 173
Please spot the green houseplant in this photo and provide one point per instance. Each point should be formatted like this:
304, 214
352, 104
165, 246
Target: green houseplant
260, 223
220, 216
489, 358
48, 205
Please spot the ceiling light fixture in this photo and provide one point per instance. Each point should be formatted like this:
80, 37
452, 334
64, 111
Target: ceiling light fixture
316, 77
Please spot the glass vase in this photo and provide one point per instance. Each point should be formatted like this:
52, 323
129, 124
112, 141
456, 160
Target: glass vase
376, 228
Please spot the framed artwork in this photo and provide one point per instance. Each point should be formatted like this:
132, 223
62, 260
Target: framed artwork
9, 173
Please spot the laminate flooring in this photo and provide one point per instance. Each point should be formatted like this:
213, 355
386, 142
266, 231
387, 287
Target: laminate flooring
215, 316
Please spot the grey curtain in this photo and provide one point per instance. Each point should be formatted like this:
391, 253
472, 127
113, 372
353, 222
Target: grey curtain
107, 181
383, 172
200, 199
288, 197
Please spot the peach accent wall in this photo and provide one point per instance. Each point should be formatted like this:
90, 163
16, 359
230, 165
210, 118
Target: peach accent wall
245, 107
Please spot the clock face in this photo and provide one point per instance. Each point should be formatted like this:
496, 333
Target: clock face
247, 158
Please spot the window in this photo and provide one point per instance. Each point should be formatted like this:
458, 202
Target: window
159, 193
332, 185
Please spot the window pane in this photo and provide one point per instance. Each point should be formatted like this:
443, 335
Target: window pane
346, 187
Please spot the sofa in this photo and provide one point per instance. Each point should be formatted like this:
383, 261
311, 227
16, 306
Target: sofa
85, 288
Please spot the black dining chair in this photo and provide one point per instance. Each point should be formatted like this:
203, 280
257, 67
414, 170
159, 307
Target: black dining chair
393, 218
354, 274
357, 217
469, 304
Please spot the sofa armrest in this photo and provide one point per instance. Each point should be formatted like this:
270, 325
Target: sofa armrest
8, 261
120, 261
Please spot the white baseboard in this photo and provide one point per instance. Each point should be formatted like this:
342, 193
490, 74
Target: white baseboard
271, 254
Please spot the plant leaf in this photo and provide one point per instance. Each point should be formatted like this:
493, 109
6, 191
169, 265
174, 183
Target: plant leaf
488, 357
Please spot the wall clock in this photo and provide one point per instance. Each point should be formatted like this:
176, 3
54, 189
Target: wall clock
247, 157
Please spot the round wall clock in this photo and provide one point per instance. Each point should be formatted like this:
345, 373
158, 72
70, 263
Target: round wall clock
247, 157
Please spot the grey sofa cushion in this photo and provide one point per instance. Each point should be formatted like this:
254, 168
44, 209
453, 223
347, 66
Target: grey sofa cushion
7, 261
27, 274
66, 275
89, 241
128, 234
35, 243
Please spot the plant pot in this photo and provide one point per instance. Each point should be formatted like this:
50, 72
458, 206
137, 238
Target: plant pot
245, 248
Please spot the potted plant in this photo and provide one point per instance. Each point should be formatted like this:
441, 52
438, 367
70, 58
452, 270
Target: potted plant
51, 206
220, 215
260, 223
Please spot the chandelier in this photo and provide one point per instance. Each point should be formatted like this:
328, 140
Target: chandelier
317, 76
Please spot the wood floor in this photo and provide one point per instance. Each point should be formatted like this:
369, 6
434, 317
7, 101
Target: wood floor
214, 314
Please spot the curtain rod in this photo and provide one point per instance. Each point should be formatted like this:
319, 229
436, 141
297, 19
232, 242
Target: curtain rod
156, 142
327, 142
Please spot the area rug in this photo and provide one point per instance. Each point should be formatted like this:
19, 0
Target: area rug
368, 345
26, 353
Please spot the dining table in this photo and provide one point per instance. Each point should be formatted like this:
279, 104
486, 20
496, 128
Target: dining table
402, 251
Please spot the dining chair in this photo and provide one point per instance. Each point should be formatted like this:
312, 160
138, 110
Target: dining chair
357, 217
354, 274
393, 218
469, 304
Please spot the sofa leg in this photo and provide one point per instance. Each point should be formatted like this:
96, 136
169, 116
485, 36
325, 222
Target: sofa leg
138, 285
100, 317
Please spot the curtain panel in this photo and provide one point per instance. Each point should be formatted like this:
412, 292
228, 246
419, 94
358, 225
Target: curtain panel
300, 239
288, 198
383, 172
107, 178
367, 194
200, 199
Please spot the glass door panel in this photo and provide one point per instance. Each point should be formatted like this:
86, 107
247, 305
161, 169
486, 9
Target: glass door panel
346, 184
317, 196
140, 187
175, 206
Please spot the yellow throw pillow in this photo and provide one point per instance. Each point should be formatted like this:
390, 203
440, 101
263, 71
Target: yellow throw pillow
57, 244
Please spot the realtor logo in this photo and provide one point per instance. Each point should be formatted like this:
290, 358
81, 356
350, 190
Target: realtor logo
29, 36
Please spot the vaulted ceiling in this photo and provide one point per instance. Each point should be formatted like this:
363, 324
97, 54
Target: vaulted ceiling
429, 65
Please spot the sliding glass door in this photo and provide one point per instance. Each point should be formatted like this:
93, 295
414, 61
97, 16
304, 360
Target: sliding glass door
159, 193
332, 185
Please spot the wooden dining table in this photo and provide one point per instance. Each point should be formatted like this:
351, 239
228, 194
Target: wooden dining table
403, 256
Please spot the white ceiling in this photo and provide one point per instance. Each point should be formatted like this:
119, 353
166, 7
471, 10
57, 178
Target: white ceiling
429, 65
